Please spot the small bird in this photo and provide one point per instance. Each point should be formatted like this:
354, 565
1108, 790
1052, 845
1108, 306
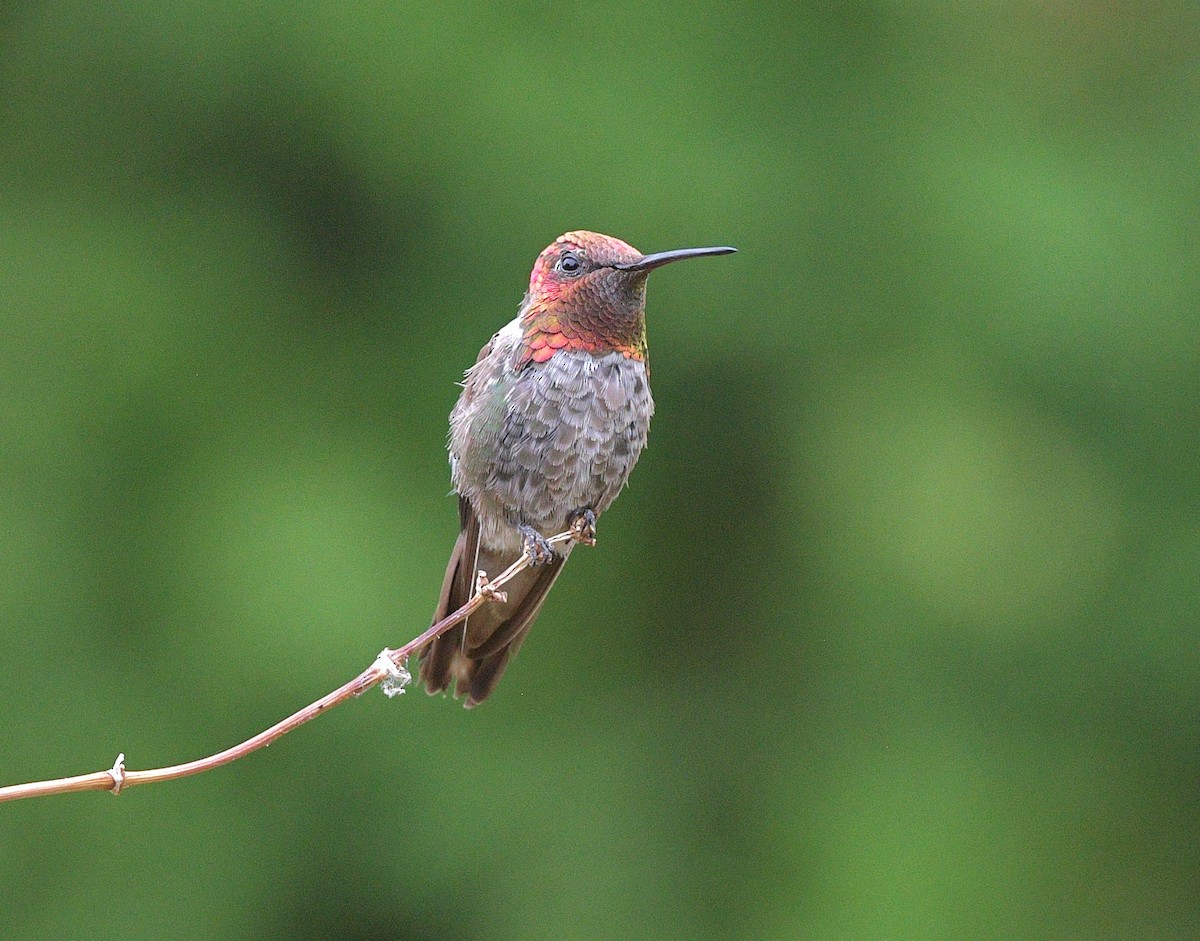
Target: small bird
551, 419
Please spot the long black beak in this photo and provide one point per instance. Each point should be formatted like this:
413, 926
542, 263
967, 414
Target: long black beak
649, 262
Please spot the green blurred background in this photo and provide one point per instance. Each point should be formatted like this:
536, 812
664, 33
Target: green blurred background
893, 635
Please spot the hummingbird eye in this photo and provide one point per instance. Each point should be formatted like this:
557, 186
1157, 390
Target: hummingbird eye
570, 263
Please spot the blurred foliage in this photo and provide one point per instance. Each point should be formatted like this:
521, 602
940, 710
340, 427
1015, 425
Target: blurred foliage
894, 634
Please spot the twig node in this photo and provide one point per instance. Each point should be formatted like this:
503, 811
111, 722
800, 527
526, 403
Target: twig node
117, 773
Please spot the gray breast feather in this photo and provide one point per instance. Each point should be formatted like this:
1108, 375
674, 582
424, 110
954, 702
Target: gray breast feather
556, 437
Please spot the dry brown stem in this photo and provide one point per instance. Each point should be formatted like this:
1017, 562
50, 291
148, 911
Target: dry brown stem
390, 664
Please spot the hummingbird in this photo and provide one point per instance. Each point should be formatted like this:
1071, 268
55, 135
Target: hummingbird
551, 419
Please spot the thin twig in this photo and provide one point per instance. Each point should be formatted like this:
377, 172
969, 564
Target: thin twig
390, 664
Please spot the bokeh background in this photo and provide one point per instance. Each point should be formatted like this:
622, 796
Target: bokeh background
894, 635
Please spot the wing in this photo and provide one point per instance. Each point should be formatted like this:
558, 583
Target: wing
438, 658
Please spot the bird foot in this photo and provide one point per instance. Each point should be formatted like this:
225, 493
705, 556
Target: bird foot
537, 547
583, 526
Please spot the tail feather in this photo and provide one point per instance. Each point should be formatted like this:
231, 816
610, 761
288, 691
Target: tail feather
519, 615
438, 658
485, 674
473, 655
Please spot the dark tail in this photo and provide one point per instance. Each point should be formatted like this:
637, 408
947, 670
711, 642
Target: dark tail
473, 655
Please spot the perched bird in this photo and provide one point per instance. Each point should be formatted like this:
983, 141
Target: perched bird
551, 419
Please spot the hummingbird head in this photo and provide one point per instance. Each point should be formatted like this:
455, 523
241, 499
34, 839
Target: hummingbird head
588, 291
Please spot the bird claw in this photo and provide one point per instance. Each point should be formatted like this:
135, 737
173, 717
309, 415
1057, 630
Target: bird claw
483, 586
537, 547
583, 526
